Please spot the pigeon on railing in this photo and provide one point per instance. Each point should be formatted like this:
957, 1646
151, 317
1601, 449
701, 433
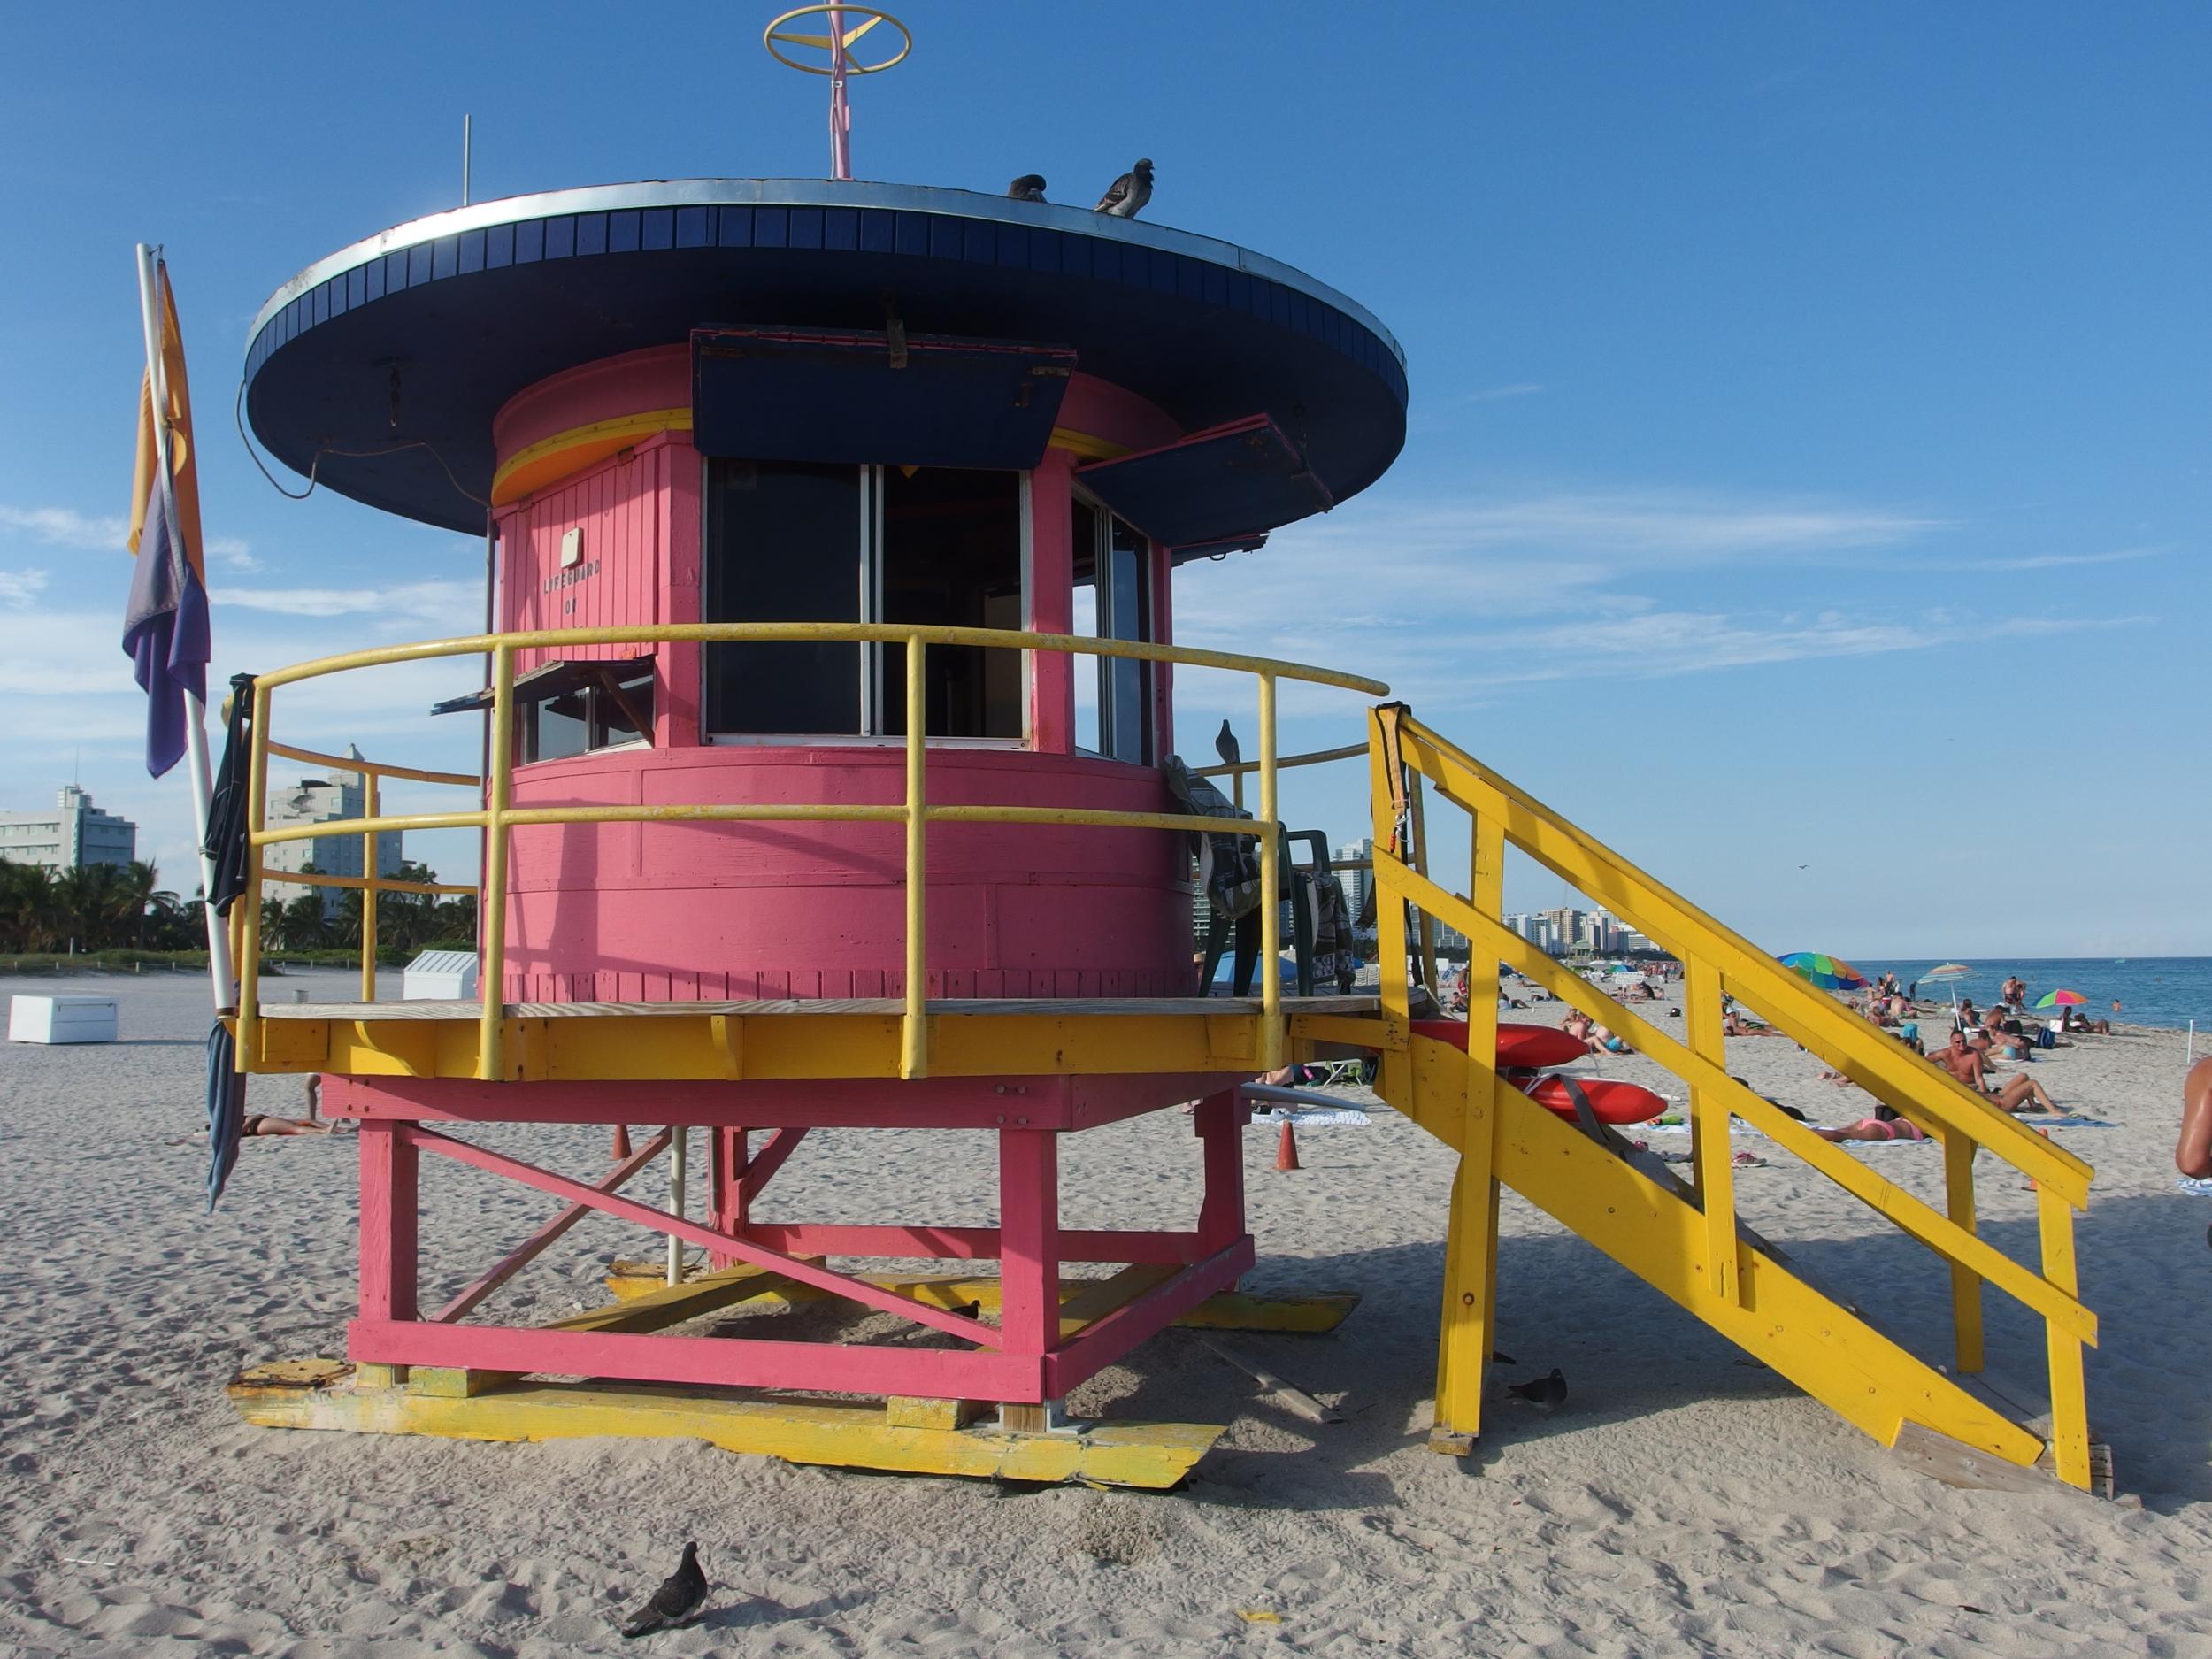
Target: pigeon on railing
1128, 194
1226, 746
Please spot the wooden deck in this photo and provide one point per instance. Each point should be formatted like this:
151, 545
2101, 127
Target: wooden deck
1089, 1007
799, 1040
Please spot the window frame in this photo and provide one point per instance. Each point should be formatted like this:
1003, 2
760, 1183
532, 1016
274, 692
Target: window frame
1106, 519
868, 575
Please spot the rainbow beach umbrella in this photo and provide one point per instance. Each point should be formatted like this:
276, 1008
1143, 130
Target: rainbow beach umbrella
2061, 999
1830, 974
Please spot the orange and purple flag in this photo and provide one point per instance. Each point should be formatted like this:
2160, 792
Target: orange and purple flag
164, 628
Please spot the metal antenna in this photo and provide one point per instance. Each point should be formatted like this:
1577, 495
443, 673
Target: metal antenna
465, 161
837, 47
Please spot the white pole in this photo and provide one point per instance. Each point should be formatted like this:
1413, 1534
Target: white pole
677, 1139
219, 963
465, 161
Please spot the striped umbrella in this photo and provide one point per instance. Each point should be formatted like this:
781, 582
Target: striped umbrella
1830, 974
2061, 999
1948, 973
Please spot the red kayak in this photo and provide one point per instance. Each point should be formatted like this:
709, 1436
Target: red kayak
1530, 1047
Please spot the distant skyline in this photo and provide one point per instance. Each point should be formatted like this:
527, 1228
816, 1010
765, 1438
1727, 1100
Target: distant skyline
1806, 489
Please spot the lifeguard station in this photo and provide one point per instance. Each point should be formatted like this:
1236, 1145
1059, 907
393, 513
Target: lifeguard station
829, 697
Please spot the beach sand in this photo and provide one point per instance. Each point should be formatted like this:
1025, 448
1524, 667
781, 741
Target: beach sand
1685, 1502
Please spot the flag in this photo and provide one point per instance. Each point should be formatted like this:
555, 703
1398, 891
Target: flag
164, 628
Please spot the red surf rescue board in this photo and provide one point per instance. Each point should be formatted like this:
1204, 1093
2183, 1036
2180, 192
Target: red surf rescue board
1523, 1049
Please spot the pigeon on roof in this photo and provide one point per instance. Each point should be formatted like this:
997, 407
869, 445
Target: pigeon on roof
1029, 187
1129, 193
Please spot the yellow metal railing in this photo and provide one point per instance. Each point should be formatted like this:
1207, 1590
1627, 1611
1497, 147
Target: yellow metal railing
369, 883
1717, 961
498, 815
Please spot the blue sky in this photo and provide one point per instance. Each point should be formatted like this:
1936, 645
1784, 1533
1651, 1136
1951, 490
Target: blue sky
1807, 484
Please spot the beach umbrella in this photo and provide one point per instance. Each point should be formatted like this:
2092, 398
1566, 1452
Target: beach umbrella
1828, 973
226, 1110
2061, 999
1948, 973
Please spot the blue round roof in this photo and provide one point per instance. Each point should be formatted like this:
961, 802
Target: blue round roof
380, 367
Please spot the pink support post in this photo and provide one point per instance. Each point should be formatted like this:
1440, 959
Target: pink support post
387, 1221
1218, 1122
1029, 1242
729, 1158
1052, 605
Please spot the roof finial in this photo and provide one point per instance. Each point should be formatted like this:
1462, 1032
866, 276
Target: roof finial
837, 45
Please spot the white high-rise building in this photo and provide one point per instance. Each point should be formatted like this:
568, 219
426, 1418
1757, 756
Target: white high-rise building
342, 794
1357, 883
74, 834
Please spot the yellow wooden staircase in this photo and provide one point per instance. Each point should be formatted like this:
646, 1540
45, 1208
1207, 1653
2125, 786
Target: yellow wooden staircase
1685, 1239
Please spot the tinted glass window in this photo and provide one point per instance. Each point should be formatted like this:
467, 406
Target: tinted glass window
783, 544
952, 557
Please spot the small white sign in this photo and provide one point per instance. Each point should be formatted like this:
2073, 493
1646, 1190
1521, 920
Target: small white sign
572, 546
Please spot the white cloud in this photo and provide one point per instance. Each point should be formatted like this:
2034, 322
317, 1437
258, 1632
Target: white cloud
453, 607
17, 589
64, 526
2060, 561
1498, 394
232, 553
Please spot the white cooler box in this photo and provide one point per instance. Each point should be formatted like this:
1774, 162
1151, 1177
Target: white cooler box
61, 1019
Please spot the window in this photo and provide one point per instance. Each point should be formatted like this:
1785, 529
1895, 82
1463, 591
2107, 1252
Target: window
575, 708
801, 543
1113, 601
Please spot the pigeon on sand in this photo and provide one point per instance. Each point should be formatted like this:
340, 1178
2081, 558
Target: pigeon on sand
682, 1594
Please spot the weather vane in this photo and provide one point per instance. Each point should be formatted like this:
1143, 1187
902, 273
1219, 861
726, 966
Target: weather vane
838, 44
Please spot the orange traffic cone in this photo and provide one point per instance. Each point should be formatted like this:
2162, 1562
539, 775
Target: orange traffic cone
1287, 1149
621, 1141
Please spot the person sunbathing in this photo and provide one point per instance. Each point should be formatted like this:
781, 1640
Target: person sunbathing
1969, 1067
1734, 1025
1873, 1129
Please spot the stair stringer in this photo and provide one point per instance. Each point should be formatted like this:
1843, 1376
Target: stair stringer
1775, 1317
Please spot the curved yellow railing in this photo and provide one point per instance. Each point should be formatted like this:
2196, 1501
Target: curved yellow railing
1716, 961
368, 883
498, 815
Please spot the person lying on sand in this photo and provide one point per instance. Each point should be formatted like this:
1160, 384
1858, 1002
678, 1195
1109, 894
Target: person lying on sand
313, 1123
2068, 1020
2192, 1153
1873, 1129
1734, 1025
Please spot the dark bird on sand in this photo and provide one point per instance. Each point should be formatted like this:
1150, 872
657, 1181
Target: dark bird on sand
1029, 187
1225, 745
682, 1594
1545, 1393
1128, 194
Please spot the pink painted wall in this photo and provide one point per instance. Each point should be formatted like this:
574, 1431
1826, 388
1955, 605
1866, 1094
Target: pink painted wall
652, 912
621, 509
681, 911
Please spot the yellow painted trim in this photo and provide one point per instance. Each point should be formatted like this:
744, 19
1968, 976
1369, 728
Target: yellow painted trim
1152, 1455
530, 469
1086, 446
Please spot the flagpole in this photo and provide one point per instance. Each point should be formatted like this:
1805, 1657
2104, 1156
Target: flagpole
219, 963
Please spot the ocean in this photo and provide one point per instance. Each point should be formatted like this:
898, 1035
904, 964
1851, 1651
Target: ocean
2151, 990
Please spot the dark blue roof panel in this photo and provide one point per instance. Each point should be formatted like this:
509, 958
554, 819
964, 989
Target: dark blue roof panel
382, 366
